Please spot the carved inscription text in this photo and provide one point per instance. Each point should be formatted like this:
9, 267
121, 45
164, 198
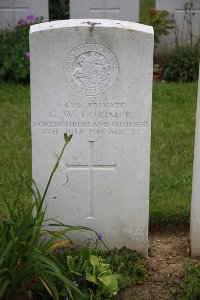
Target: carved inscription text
111, 118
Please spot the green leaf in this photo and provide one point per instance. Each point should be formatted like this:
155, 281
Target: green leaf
3, 287
91, 278
85, 254
94, 261
123, 281
106, 280
54, 270
7, 249
70, 262
4, 270
110, 282
49, 285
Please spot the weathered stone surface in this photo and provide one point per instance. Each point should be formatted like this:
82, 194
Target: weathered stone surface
12, 11
195, 208
125, 10
93, 79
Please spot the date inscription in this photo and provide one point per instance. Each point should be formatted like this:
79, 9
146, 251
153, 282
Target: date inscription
111, 118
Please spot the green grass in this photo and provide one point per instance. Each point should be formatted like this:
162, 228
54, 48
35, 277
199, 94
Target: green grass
190, 283
173, 125
145, 6
15, 141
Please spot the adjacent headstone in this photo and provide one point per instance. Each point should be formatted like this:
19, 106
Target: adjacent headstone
177, 9
195, 208
125, 10
93, 79
11, 11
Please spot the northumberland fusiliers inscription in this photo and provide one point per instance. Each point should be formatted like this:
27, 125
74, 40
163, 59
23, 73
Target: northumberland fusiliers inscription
93, 79
92, 118
91, 69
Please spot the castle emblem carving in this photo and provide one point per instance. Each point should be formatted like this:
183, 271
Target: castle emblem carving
91, 69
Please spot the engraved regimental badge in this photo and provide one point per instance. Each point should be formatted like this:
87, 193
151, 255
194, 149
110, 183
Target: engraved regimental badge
91, 69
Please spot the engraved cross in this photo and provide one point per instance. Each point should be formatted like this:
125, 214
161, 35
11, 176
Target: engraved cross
104, 9
91, 167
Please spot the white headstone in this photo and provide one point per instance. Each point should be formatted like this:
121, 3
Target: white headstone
93, 79
176, 7
126, 10
195, 208
11, 11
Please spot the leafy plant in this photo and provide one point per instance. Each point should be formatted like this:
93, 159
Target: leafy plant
14, 51
100, 274
25, 247
191, 283
182, 64
90, 272
161, 22
128, 263
37, 260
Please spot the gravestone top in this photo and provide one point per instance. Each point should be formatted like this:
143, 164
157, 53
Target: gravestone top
93, 79
91, 23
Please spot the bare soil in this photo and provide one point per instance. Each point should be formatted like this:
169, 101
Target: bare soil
169, 257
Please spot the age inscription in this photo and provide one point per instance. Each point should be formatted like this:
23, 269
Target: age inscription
93, 119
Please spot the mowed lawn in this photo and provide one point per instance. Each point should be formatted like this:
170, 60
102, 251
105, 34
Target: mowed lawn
15, 139
173, 126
